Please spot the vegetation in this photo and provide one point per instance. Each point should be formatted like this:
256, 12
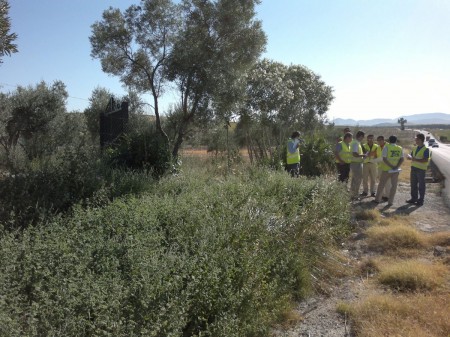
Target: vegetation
422, 315
7, 47
402, 121
195, 255
204, 48
394, 238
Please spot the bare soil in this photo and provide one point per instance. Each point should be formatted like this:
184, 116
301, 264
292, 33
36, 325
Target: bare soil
318, 313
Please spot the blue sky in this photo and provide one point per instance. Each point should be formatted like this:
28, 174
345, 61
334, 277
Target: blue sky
384, 58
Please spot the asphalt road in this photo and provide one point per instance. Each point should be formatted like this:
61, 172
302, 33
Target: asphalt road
441, 157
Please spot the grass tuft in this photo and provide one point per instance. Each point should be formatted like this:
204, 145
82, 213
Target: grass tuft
394, 238
439, 239
369, 267
420, 315
368, 214
412, 275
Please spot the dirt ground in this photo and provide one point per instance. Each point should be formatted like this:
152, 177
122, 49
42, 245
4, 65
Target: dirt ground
318, 314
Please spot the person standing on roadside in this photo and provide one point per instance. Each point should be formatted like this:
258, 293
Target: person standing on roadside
356, 164
392, 160
420, 157
369, 167
293, 155
343, 156
379, 160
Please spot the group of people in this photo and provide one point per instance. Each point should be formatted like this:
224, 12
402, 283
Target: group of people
370, 161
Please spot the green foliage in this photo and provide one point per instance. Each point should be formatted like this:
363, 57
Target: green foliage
7, 47
141, 149
199, 256
58, 182
27, 116
317, 156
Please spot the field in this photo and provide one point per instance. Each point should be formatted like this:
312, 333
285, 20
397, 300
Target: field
438, 133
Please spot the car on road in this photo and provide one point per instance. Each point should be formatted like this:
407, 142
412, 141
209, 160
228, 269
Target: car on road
435, 145
431, 141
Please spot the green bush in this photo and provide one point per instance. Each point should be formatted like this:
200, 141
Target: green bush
142, 149
199, 256
317, 157
56, 184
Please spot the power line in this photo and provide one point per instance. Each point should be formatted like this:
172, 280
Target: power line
16, 86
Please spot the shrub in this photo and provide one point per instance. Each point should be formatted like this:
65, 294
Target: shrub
317, 157
56, 184
199, 255
141, 149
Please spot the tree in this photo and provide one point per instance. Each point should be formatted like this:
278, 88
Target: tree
7, 47
134, 45
402, 123
203, 46
218, 43
280, 99
26, 118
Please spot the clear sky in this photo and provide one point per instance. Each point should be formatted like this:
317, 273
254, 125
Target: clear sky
384, 58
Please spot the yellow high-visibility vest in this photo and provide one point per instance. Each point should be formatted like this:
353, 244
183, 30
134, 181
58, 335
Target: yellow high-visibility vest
292, 158
345, 153
360, 152
366, 148
419, 155
394, 154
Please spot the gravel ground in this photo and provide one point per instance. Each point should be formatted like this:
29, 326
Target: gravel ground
319, 317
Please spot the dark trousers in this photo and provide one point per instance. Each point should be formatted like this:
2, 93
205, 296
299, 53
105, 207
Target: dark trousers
343, 172
417, 183
293, 169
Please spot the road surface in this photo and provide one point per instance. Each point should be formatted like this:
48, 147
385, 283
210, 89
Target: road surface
441, 157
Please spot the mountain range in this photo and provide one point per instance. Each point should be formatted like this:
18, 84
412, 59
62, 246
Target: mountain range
422, 119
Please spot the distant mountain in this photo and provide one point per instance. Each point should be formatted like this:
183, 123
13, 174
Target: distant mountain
426, 118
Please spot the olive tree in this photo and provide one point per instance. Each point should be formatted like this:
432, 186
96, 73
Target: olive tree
204, 47
26, 117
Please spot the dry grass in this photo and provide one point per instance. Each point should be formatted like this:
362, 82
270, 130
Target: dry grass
394, 220
439, 239
369, 267
405, 173
394, 237
412, 275
421, 315
368, 214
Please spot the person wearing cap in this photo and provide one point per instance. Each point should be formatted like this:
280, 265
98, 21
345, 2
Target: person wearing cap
392, 160
356, 164
343, 155
420, 157
293, 154
369, 167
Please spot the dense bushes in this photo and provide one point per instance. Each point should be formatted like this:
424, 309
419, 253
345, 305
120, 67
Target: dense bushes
199, 256
142, 149
54, 185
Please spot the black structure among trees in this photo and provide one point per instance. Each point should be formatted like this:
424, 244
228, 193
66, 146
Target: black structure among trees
113, 122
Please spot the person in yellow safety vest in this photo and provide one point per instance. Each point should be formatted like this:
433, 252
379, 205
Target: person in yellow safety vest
293, 154
420, 157
379, 160
392, 160
369, 167
343, 156
356, 164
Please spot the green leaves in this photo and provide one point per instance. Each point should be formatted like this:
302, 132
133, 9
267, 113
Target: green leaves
7, 47
197, 255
